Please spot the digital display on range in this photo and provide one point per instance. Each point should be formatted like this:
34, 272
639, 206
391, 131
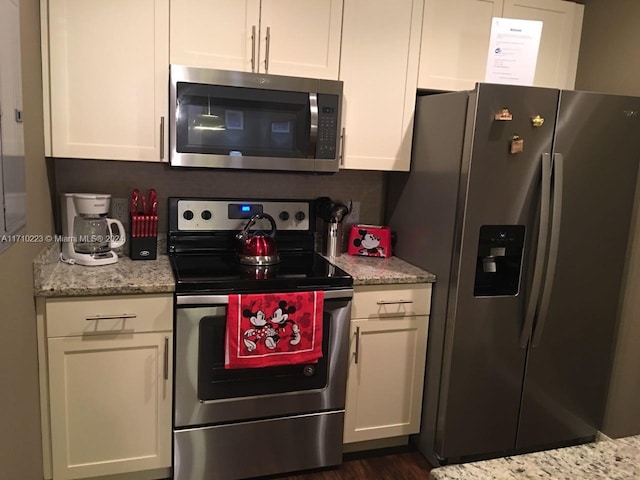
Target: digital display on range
243, 210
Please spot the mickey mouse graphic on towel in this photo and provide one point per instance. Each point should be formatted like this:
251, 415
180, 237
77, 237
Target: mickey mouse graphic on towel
271, 330
368, 244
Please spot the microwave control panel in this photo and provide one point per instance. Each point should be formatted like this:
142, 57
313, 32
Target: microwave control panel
328, 112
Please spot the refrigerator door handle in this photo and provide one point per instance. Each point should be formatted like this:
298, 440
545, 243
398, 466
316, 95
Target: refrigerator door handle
558, 172
541, 251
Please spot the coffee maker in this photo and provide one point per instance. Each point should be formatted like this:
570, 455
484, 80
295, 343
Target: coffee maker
89, 238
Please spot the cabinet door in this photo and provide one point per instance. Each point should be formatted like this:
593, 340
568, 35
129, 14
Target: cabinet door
303, 38
560, 41
110, 403
215, 34
108, 78
386, 376
379, 67
455, 42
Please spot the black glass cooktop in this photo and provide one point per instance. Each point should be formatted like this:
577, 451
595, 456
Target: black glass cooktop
223, 273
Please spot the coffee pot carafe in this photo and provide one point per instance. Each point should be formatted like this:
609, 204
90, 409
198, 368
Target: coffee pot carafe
89, 235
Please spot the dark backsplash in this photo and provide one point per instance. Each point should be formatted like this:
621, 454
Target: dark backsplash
120, 178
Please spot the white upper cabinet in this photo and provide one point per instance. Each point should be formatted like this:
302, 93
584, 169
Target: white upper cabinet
560, 42
284, 37
455, 40
214, 33
105, 73
379, 67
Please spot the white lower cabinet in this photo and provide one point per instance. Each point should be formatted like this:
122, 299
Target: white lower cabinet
109, 392
389, 325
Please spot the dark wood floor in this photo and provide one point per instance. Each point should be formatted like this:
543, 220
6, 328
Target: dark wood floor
389, 464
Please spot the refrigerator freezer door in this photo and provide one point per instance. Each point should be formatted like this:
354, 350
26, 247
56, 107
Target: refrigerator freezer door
483, 361
568, 368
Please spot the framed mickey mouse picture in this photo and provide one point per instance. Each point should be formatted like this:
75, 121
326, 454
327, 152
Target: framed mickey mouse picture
370, 241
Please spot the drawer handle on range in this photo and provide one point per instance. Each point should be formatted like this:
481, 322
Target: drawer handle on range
393, 302
111, 317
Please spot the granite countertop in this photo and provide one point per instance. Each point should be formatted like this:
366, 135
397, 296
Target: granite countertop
53, 278
617, 459
381, 271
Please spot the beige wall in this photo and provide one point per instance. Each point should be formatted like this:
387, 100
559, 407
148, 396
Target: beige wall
609, 55
610, 62
20, 446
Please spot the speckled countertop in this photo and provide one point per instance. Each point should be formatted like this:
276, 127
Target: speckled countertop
380, 271
53, 278
617, 459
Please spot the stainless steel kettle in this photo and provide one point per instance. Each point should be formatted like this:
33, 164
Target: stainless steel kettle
258, 247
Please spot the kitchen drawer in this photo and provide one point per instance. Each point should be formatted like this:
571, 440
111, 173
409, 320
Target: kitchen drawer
391, 300
108, 315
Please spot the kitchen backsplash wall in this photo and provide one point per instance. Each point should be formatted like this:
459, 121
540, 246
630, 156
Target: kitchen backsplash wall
364, 188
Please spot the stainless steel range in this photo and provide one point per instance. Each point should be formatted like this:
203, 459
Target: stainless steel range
240, 423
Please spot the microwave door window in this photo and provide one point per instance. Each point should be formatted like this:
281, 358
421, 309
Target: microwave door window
242, 121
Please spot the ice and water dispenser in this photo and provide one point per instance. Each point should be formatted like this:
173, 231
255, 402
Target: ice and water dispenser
499, 262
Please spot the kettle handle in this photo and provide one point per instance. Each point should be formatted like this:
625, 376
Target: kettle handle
122, 237
242, 236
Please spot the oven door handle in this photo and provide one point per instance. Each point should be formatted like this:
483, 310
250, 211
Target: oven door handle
224, 299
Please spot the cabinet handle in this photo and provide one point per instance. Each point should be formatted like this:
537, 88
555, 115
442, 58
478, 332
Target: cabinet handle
253, 48
111, 317
161, 138
342, 138
166, 358
393, 302
357, 352
266, 50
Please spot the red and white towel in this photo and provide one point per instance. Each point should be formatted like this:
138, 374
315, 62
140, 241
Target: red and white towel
273, 329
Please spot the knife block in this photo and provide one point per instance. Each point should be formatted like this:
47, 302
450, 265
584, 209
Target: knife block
143, 245
144, 248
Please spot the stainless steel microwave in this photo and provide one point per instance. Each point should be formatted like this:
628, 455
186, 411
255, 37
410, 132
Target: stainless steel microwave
226, 119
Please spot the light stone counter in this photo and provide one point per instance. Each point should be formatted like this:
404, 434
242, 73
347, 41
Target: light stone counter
53, 278
381, 271
607, 460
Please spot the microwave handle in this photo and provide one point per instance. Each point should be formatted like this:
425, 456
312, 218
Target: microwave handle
313, 130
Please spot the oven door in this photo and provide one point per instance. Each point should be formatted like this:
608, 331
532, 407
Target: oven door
206, 393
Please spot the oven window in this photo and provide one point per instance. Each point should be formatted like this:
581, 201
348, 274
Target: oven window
216, 382
213, 119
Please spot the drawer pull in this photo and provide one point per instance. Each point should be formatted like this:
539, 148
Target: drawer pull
111, 317
393, 302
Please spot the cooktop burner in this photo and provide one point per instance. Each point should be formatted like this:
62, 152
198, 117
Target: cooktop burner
203, 247
196, 273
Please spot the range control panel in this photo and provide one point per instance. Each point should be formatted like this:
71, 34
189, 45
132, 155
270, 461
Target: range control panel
221, 215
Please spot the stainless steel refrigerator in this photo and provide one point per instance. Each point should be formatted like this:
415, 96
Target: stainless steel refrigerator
520, 200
